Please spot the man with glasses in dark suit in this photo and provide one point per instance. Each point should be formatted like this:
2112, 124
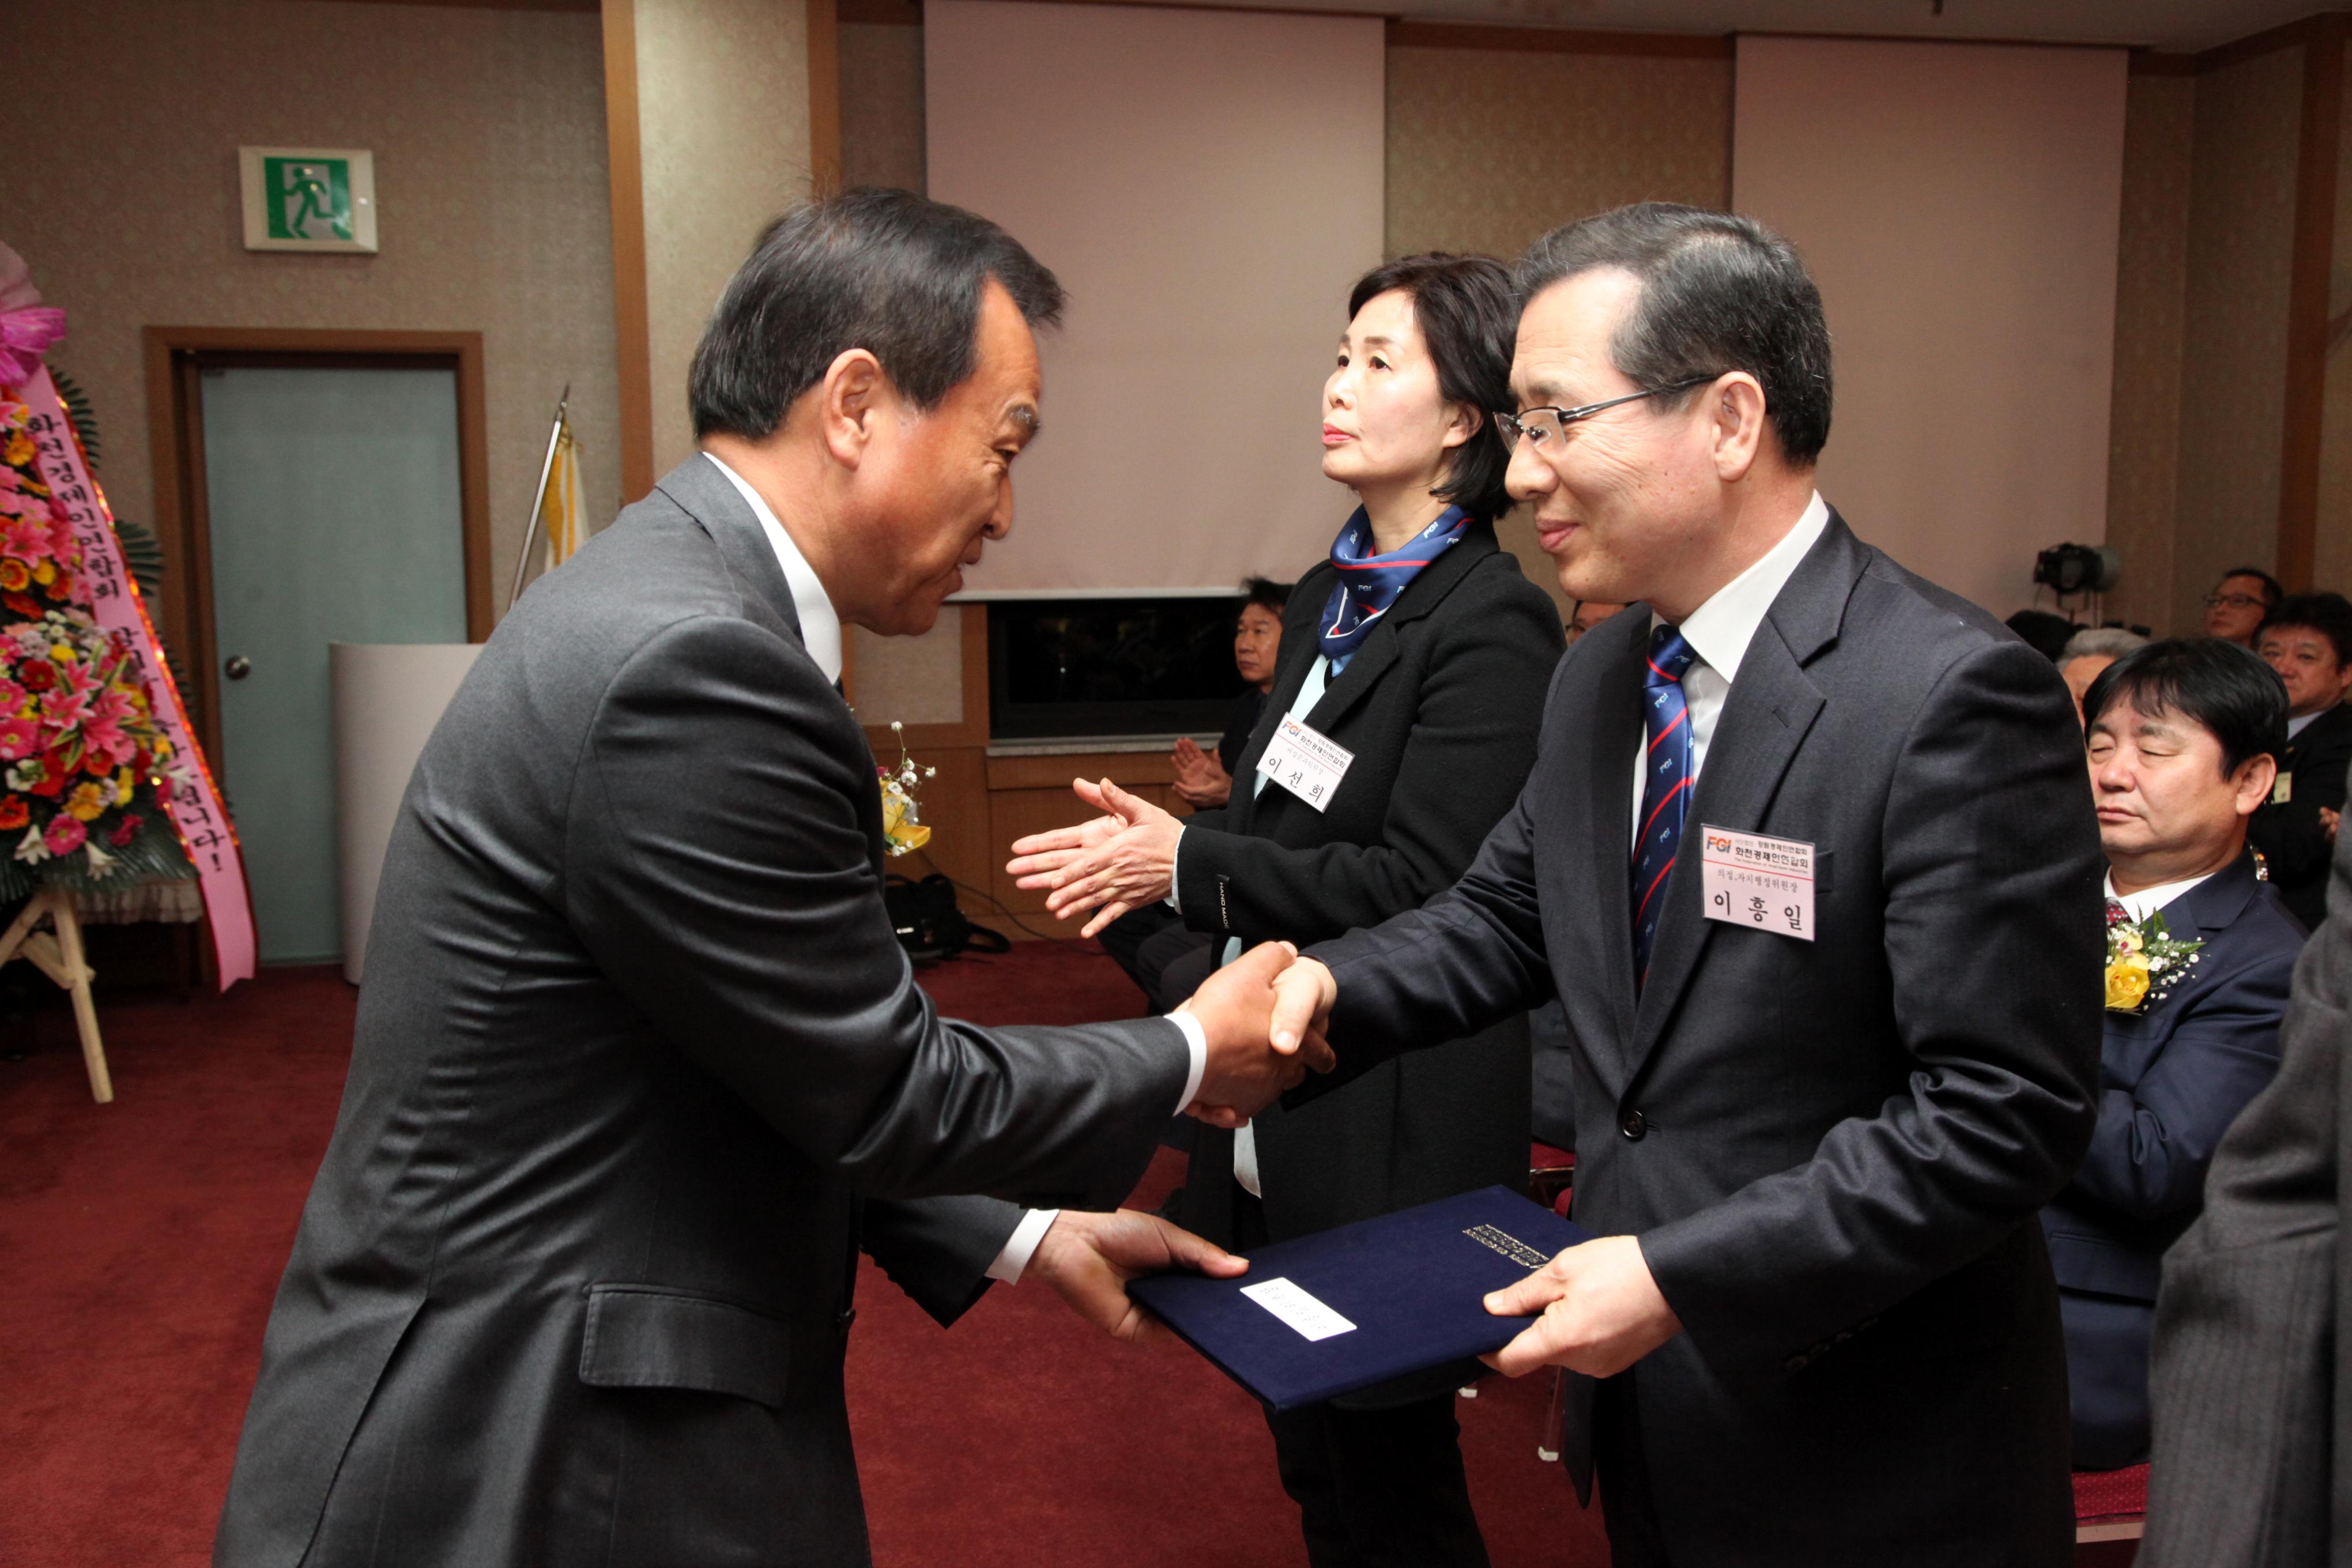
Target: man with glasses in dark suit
1808, 856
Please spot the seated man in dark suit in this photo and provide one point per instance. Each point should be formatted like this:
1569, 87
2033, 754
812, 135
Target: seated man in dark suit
2183, 742
2308, 640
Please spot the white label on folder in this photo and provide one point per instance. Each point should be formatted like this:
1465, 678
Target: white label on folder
1301, 1312
1309, 765
1752, 880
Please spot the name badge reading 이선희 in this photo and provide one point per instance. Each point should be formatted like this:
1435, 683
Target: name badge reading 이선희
1765, 884
1307, 764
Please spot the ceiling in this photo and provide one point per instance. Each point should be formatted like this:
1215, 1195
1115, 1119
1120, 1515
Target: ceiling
2182, 25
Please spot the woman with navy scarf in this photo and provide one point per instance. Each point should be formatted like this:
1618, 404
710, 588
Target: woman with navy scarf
1421, 650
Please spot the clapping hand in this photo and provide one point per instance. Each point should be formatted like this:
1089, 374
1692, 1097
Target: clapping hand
1118, 861
1200, 776
1601, 1312
1248, 1068
2328, 820
1089, 1259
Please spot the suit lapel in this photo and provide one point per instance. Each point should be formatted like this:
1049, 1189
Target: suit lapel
1616, 733
1771, 706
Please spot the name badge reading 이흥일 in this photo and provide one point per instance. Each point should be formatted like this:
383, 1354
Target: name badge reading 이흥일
1749, 879
1307, 764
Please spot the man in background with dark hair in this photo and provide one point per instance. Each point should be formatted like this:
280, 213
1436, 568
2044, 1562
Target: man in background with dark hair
1832, 1010
2183, 743
1587, 613
2234, 610
640, 1066
2308, 640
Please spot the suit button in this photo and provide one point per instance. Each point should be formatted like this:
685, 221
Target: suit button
1633, 1126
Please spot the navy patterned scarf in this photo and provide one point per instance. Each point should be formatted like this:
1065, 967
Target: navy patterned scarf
1370, 583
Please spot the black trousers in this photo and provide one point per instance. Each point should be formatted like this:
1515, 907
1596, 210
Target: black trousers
1166, 960
1375, 1488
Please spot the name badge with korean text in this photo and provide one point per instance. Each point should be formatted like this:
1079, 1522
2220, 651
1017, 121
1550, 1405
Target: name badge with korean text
1763, 883
1309, 765
2283, 790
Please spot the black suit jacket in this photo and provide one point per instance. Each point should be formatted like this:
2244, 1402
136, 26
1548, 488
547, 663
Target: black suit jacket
1441, 706
638, 1065
2253, 1392
2288, 834
1833, 1151
2171, 1080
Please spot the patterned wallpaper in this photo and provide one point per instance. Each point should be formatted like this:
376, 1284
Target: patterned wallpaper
2234, 346
2151, 283
722, 103
487, 128
2332, 563
1489, 149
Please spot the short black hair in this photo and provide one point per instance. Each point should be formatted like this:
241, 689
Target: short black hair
2239, 700
2330, 615
1265, 593
2271, 591
1719, 293
1468, 317
888, 271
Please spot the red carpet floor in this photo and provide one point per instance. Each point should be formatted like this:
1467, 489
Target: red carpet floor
141, 1242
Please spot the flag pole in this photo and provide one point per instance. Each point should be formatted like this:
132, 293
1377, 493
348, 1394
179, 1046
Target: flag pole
539, 496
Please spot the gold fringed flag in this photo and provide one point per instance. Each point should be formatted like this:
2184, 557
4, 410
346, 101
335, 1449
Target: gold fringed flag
559, 500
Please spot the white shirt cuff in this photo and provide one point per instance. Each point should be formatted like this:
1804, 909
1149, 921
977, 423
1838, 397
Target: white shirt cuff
1196, 1040
1175, 859
1022, 1244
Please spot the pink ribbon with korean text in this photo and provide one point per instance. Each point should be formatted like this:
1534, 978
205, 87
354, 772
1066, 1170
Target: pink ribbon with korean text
197, 812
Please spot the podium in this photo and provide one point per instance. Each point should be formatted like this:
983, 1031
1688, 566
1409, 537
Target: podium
387, 698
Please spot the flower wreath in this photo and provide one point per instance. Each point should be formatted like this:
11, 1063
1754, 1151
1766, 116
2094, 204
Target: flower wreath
2144, 961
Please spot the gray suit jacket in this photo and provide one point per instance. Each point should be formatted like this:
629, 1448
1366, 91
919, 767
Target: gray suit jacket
2252, 1462
1833, 1151
638, 1067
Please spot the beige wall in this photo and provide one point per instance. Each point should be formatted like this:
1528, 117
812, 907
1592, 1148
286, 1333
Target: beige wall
487, 128
2151, 284
723, 118
2233, 350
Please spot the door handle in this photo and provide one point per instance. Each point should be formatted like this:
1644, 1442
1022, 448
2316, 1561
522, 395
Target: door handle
237, 668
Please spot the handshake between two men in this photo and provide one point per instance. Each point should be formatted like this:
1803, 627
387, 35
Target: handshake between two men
1265, 1018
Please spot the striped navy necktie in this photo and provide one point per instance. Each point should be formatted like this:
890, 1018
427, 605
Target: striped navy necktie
1666, 785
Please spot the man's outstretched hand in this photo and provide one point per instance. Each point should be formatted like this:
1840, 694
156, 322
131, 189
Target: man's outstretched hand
1254, 1057
1089, 1259
1601, 1312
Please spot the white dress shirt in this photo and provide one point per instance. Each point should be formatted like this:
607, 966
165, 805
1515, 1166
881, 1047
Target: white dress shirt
2148, 901
2294, 726
821, 634
1719, 632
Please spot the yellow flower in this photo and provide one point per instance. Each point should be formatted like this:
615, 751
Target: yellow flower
19, 449
46, 572
122, 786
903, 836
2126, 983
88, 801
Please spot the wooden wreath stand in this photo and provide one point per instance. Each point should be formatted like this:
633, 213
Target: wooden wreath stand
57, 953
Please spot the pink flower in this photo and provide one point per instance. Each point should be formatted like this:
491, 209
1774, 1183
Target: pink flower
25, 336
18, 738
64, 835
26, 538
62, 709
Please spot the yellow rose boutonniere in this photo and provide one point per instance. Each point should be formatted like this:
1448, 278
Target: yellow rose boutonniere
2143, 962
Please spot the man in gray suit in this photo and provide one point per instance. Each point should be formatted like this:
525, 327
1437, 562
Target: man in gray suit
639, 1065
1808, 857
2253, 1407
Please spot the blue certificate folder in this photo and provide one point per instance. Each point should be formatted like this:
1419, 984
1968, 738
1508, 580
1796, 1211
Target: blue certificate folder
1409, 1286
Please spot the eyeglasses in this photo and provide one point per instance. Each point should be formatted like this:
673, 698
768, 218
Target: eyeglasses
2235, 602
1540, 426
